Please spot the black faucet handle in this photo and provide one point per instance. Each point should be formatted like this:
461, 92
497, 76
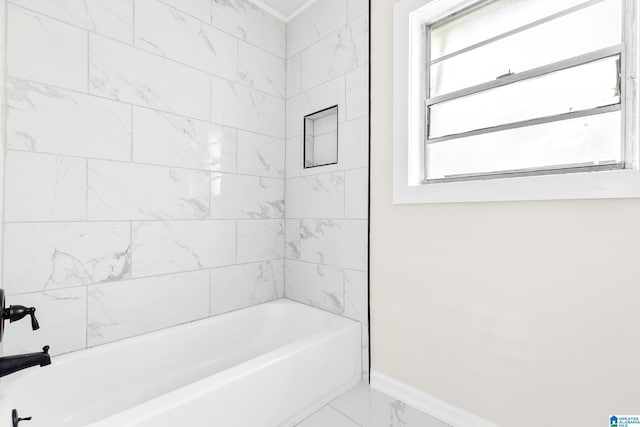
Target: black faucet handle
16, 420
34, 322
17, 312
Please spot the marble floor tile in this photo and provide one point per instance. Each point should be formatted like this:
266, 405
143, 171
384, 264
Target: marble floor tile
328, 416
369, 408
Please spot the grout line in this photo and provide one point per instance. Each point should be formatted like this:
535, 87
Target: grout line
211, 99
155, 165
325, 265
339, 411
146, 107
210, 291
86, 191
168, 220
210, 197
134, 279
131, 247
131, 130
88, 61
86, 320
133, 23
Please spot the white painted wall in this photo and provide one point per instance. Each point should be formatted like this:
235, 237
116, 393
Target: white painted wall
523, 313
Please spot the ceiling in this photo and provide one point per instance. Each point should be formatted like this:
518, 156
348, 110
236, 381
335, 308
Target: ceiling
284, 9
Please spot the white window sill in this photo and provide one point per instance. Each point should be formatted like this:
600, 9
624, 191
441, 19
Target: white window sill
614, 184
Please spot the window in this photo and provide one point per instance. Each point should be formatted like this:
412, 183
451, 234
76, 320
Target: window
520, 87
505, 89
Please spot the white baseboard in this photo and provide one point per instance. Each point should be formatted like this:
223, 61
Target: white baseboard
424, 402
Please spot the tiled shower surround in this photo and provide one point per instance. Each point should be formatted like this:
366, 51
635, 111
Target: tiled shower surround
145, 164
327, 207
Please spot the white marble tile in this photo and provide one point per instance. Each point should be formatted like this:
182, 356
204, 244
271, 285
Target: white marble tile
365, 353
200, 9
161, 247
356, 301
124, 73
316, 285
353, 144
357, 8
357, 98
328, 417
48, 256
260, 240
356, 193
238, 106
294, 158
292, 238
41, 187
167, 139
316, 22
316, 196
321, 97
45, 50
248, 22
260, 155
138, 192
293, 76
163, 30
340, 243
370, 408
49, 120
336, 54
112, 18
261, 70
241, 286
62, 315
124, 309
243, 196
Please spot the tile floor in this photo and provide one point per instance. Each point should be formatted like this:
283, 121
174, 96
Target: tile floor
363, 407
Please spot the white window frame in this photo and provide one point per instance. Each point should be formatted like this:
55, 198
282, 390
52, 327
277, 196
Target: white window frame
409, 78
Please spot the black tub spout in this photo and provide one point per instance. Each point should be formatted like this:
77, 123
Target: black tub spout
13, 364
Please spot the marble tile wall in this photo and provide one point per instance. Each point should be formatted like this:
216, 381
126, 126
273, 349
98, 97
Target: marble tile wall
145, 165
326, 230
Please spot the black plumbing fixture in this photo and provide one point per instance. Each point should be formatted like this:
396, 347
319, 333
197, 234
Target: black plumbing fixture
13, 364
15, 419
14, 313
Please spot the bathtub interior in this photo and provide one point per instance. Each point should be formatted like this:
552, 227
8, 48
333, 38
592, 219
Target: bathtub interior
83, 387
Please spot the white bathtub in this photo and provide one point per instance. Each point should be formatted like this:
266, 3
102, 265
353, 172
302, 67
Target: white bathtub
268, 365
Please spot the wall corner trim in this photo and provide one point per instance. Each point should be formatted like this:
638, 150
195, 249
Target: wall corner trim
424, 402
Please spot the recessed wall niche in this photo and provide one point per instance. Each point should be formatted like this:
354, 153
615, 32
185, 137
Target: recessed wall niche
321, 138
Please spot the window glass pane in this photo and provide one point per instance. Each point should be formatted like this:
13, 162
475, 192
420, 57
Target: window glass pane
493, 19
576, 141
574, 89
565, 37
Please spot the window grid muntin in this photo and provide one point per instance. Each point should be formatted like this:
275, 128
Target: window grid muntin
621, 50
